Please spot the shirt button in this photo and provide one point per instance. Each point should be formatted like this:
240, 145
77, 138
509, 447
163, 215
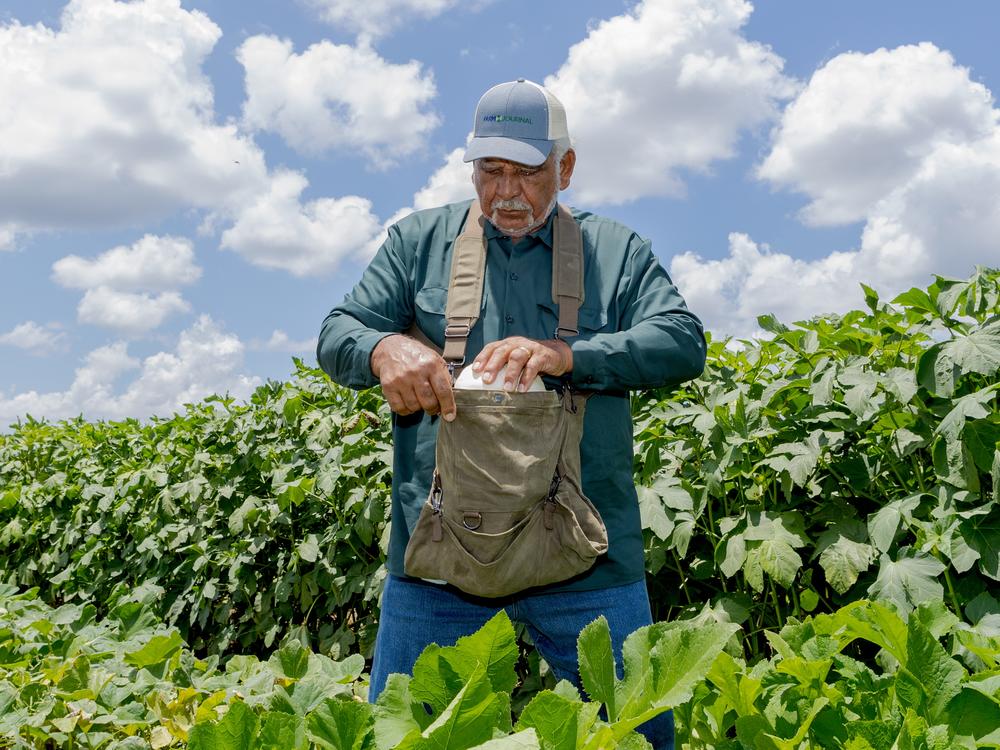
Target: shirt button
513, 276
509, 318
589, 379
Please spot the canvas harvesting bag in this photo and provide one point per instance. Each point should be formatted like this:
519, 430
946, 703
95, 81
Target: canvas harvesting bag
506, 509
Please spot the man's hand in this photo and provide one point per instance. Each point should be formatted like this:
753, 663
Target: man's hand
525, 358
413, 377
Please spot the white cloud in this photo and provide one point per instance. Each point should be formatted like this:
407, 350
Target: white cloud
152, 263
866, 123
8, 237
206, 360
900, 139
281, 342
728, 294
109, 119
279, 231
34, 338
128, 312
450, 183
335, 96
665, 87
378, 17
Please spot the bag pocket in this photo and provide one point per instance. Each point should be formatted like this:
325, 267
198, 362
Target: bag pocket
491, 456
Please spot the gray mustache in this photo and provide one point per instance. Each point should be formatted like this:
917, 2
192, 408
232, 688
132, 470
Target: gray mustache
511, 205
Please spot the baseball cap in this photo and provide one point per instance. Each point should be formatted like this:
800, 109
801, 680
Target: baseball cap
518, 121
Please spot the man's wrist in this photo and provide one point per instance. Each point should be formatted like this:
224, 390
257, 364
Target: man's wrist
376, 357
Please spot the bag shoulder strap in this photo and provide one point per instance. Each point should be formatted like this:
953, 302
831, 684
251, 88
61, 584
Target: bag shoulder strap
567, 272
465, 287
468, 271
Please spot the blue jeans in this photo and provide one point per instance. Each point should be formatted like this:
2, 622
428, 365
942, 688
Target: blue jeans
416, 614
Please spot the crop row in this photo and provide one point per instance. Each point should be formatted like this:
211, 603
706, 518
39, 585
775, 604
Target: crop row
842, 458
126, 682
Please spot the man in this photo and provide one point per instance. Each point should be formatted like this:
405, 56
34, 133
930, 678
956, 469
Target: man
635, 332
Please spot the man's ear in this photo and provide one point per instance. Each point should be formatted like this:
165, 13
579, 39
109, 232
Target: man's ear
566, 168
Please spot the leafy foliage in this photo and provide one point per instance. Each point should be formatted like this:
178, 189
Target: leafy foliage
846, 457
251, 518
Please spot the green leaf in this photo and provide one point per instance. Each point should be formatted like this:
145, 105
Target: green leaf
281, 732
982, 534
597, 664
397, 713
975, 711
844, 554
885, 523
309, 548
290, 661
653, 515
156, 651
972, 406
929, 678
467, 721
909, 580
680, 658
494, 646
235, 731
982, 438
341, 724
780, 561
554, 718
526, 740
940, 367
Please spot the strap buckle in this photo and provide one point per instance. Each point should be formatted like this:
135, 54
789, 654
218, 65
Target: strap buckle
457, 331
564, 333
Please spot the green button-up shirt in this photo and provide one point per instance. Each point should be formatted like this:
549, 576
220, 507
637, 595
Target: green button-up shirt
635, 332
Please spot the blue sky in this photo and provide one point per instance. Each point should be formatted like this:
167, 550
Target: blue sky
186, 188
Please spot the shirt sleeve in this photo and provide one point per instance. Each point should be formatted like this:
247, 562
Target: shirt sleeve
380, 305
659, 341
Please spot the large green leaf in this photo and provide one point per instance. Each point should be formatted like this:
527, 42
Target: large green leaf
929, 678
526, 740
779, 560
844, 553
467, 721
397, 713
291, 661
493, 646
982, 534
680, 658
281, 732
554, 718
156, 651
909, 580
236, 730
941, 366
341, 724
597, 664
885, 523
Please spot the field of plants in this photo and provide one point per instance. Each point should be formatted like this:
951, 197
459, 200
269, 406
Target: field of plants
822, 538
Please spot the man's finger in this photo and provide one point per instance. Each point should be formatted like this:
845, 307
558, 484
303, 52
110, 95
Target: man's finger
443, 394
427, 397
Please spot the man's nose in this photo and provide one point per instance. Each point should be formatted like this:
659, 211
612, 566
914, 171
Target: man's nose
509, 186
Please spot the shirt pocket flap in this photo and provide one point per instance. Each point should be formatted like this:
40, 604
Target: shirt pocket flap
432, 300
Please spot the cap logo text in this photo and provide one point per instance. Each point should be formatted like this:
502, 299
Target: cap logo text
507, 118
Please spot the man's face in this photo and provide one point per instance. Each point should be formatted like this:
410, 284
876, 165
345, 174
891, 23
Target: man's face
516, 197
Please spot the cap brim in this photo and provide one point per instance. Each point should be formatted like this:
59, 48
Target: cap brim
523, 151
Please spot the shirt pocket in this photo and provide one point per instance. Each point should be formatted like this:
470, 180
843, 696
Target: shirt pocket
429, 307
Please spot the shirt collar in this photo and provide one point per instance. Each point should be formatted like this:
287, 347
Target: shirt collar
542, 234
